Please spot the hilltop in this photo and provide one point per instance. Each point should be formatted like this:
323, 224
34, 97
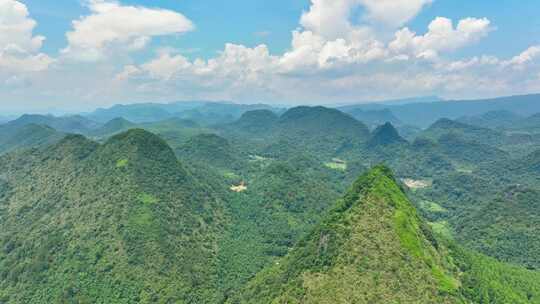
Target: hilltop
121, 222
373, 247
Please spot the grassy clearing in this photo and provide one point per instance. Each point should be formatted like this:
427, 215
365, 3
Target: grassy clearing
432, 207
147, 199
337, 164
122, 163
442, 228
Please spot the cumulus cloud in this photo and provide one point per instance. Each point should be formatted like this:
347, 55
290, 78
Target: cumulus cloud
332, 57
19, 47
329, 18
441, 36
527, 56
112, 27
393, 12
327, 43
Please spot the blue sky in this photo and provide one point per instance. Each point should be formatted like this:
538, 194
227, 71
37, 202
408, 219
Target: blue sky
239, 21
217, 22
280, 51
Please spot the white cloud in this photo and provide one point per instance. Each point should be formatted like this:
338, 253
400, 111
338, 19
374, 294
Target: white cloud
441, 36
329, 56
19, 48
527, 56
393, 12
329, 18
111, 27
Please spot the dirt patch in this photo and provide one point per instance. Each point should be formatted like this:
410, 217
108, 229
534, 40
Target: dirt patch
416, 184
239, 188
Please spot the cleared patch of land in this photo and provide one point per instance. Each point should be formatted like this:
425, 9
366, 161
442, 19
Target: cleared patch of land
337, 164
416, 184
239, 188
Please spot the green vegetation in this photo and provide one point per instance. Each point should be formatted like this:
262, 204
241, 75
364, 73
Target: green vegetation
355, 256
371, 248
122, 221
121, 163
74, 228
26, 136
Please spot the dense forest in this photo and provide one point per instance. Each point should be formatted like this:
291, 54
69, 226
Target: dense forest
223, 203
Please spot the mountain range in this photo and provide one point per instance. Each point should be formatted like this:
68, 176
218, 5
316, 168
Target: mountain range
221, 203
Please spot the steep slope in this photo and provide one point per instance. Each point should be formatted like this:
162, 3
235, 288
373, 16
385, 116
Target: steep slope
122, 222
385, 135
27, 136
283, 201
372, 248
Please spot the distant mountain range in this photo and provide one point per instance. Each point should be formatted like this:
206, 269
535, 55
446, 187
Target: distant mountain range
426, 113
404, 113
203, 112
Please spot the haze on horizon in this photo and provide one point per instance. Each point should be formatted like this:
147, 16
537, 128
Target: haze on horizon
72, 56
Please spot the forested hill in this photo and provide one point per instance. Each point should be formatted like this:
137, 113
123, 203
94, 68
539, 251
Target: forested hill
374, 248
121, 222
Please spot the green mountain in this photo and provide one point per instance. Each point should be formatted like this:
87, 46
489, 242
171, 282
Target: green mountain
323, 131
112, 127
121, 222
26, 136
220, 113
69, 124
256, 122
467, 132
385, 135
373, 247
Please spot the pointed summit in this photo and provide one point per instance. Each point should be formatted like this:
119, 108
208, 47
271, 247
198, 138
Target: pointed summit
372, 248
385, 135
114, 126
